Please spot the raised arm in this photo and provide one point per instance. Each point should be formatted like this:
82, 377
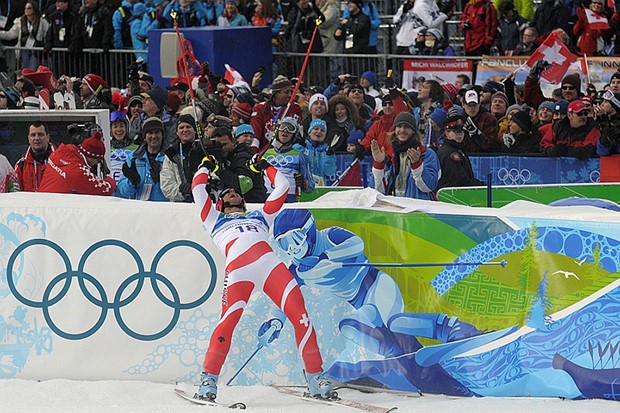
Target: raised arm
207, 211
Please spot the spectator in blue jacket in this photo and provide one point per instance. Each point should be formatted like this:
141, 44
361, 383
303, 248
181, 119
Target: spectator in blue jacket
140, 178
151, 21
210, 11
187, 14
121, 21
138, 37
370, 10
231, 16
406, 168
321, 156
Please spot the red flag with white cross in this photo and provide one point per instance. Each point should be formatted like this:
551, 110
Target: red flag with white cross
554, 51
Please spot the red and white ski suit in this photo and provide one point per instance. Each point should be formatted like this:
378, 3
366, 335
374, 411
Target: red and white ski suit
252, 264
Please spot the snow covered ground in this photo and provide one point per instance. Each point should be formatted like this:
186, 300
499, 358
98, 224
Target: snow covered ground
66, 396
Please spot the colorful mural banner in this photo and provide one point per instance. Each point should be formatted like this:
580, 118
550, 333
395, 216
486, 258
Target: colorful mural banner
442, 70
117, 292
600, 70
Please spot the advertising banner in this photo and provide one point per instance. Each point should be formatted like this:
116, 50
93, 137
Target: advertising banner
444, 71
403, 294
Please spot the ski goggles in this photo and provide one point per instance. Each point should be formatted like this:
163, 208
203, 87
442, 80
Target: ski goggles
292, 240
610, 97
114, 116
288, 127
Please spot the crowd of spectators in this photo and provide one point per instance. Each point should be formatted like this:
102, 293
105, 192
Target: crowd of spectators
419, 139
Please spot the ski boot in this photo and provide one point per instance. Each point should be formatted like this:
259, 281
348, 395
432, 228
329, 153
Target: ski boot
320, 387
208, 387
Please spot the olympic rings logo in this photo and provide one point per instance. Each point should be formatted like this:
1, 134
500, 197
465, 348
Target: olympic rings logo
101, 301
281, 161
513, 176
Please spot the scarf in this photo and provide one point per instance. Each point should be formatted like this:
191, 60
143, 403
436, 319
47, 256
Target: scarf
401, 165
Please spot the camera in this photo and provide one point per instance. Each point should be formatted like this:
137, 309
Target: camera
80, 131
352, 80
133, 71
262, 69
466, 25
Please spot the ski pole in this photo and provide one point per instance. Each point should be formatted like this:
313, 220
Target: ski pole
296, 88
345, 172
267, 333
502, 263
188, 80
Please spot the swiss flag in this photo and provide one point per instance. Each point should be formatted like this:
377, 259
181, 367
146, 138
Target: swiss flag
233, 77
555, 52
596, 21
353, 177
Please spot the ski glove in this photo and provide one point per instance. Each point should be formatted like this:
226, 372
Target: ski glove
155, 170
300, 181
186, 188
471, 128
210, 163
360, 151
258, 164
509, 139
269, 331
131, 173
538, 68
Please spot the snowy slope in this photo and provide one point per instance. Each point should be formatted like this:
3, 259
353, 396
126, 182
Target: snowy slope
65, 396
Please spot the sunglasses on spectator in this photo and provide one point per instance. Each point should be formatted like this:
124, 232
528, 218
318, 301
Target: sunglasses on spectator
568, 87
3, 96
582, 113
594, 2
230, 96
360, 91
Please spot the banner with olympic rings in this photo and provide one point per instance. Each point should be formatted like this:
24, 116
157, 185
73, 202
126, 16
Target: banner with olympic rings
410, 295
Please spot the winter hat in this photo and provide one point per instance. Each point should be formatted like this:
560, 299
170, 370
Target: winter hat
516, 106
405, 118
134, 100
182, 86
243, 111
280, 83
145, 77
93, 147
173, 102
615, 76
317, 123
355, 136
94, 81
439, 116
189, 119
372, 78
152, 123
492, 86
450, 90
387, 99
359, 3
14, 96
246, 97
574, 80
436, 33
243, 129
31, 102
318, 97
158, 95
546, 104
523, 120
139, 9
500, 95
561, 106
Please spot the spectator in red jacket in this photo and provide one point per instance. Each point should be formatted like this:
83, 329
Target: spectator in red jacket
79, 169
481, 127
590, 41
267, 114
574, 136
479, 23
31, 166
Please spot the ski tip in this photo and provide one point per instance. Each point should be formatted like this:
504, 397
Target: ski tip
503, 263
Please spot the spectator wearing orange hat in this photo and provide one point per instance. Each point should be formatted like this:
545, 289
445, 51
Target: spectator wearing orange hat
79, 169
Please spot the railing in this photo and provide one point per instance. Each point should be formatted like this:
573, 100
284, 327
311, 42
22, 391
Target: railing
112, 65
